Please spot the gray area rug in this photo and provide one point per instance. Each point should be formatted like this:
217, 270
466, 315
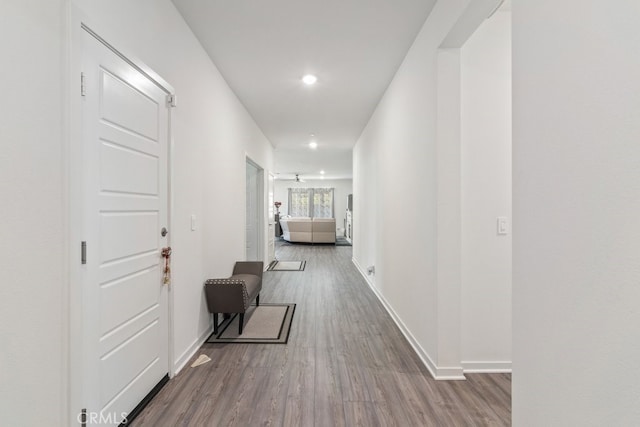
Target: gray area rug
287, 266
342, 241
265, 324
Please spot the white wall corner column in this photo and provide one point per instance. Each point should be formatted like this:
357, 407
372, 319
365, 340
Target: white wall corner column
485, 71
448, 215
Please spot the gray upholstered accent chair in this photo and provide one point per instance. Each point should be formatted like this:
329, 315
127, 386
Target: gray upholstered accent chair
234, 294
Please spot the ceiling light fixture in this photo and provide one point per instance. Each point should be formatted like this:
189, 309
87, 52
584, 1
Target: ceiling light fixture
313, 145
309, 79
321, 172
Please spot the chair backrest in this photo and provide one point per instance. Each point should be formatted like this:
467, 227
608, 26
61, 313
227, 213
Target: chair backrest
249, 267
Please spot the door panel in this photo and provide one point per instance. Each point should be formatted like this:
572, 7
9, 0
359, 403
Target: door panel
126, 105
127, 361
114, 338
109, 132
125, 234
115, 158
129, 294
125, 143
120, 269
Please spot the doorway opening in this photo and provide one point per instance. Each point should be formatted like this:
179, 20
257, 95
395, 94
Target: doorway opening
254, 214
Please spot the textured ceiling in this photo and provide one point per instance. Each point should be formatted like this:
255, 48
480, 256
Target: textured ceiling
264, 47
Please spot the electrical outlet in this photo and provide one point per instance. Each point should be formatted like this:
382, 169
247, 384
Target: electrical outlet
503, 225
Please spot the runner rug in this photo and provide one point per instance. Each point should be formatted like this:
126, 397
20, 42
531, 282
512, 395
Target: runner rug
265, 324
287, 266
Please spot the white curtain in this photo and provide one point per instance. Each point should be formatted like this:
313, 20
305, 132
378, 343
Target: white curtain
299, 201
323, 203
311, 202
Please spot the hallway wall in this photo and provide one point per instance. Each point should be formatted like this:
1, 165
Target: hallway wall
576, 201
33, 342
402, 221
212, 134
395, 227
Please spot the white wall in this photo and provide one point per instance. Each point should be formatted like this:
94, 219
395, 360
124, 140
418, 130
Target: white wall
343, 187
395, 225
408, 175
576, 205
212, 134
486, 195
32, 216
365, 201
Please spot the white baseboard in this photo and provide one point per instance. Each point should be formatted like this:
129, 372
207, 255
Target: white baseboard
487, 367
191, 350
439, 373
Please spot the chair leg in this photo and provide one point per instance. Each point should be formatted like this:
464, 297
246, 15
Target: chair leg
241, 324
258, 300
215, 323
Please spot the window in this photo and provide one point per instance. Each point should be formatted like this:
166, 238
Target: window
299, 201
323, 203
311, 202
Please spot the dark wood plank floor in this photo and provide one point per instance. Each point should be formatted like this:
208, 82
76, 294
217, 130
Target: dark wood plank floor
346, 364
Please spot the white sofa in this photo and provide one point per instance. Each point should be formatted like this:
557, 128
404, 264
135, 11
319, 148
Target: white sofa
297, 229
307, 230
323, 230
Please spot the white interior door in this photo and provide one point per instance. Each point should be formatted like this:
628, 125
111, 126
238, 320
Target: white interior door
125, 305
271, 232
252, 207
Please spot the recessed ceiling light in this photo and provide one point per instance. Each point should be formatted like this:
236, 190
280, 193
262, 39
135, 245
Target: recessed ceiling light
309, 79
321, 172
313, 145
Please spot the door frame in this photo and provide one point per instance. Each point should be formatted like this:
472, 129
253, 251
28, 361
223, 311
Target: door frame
77, 25
261, 208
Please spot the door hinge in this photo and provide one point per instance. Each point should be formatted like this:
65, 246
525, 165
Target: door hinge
172, 100
83, 86
83, 252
